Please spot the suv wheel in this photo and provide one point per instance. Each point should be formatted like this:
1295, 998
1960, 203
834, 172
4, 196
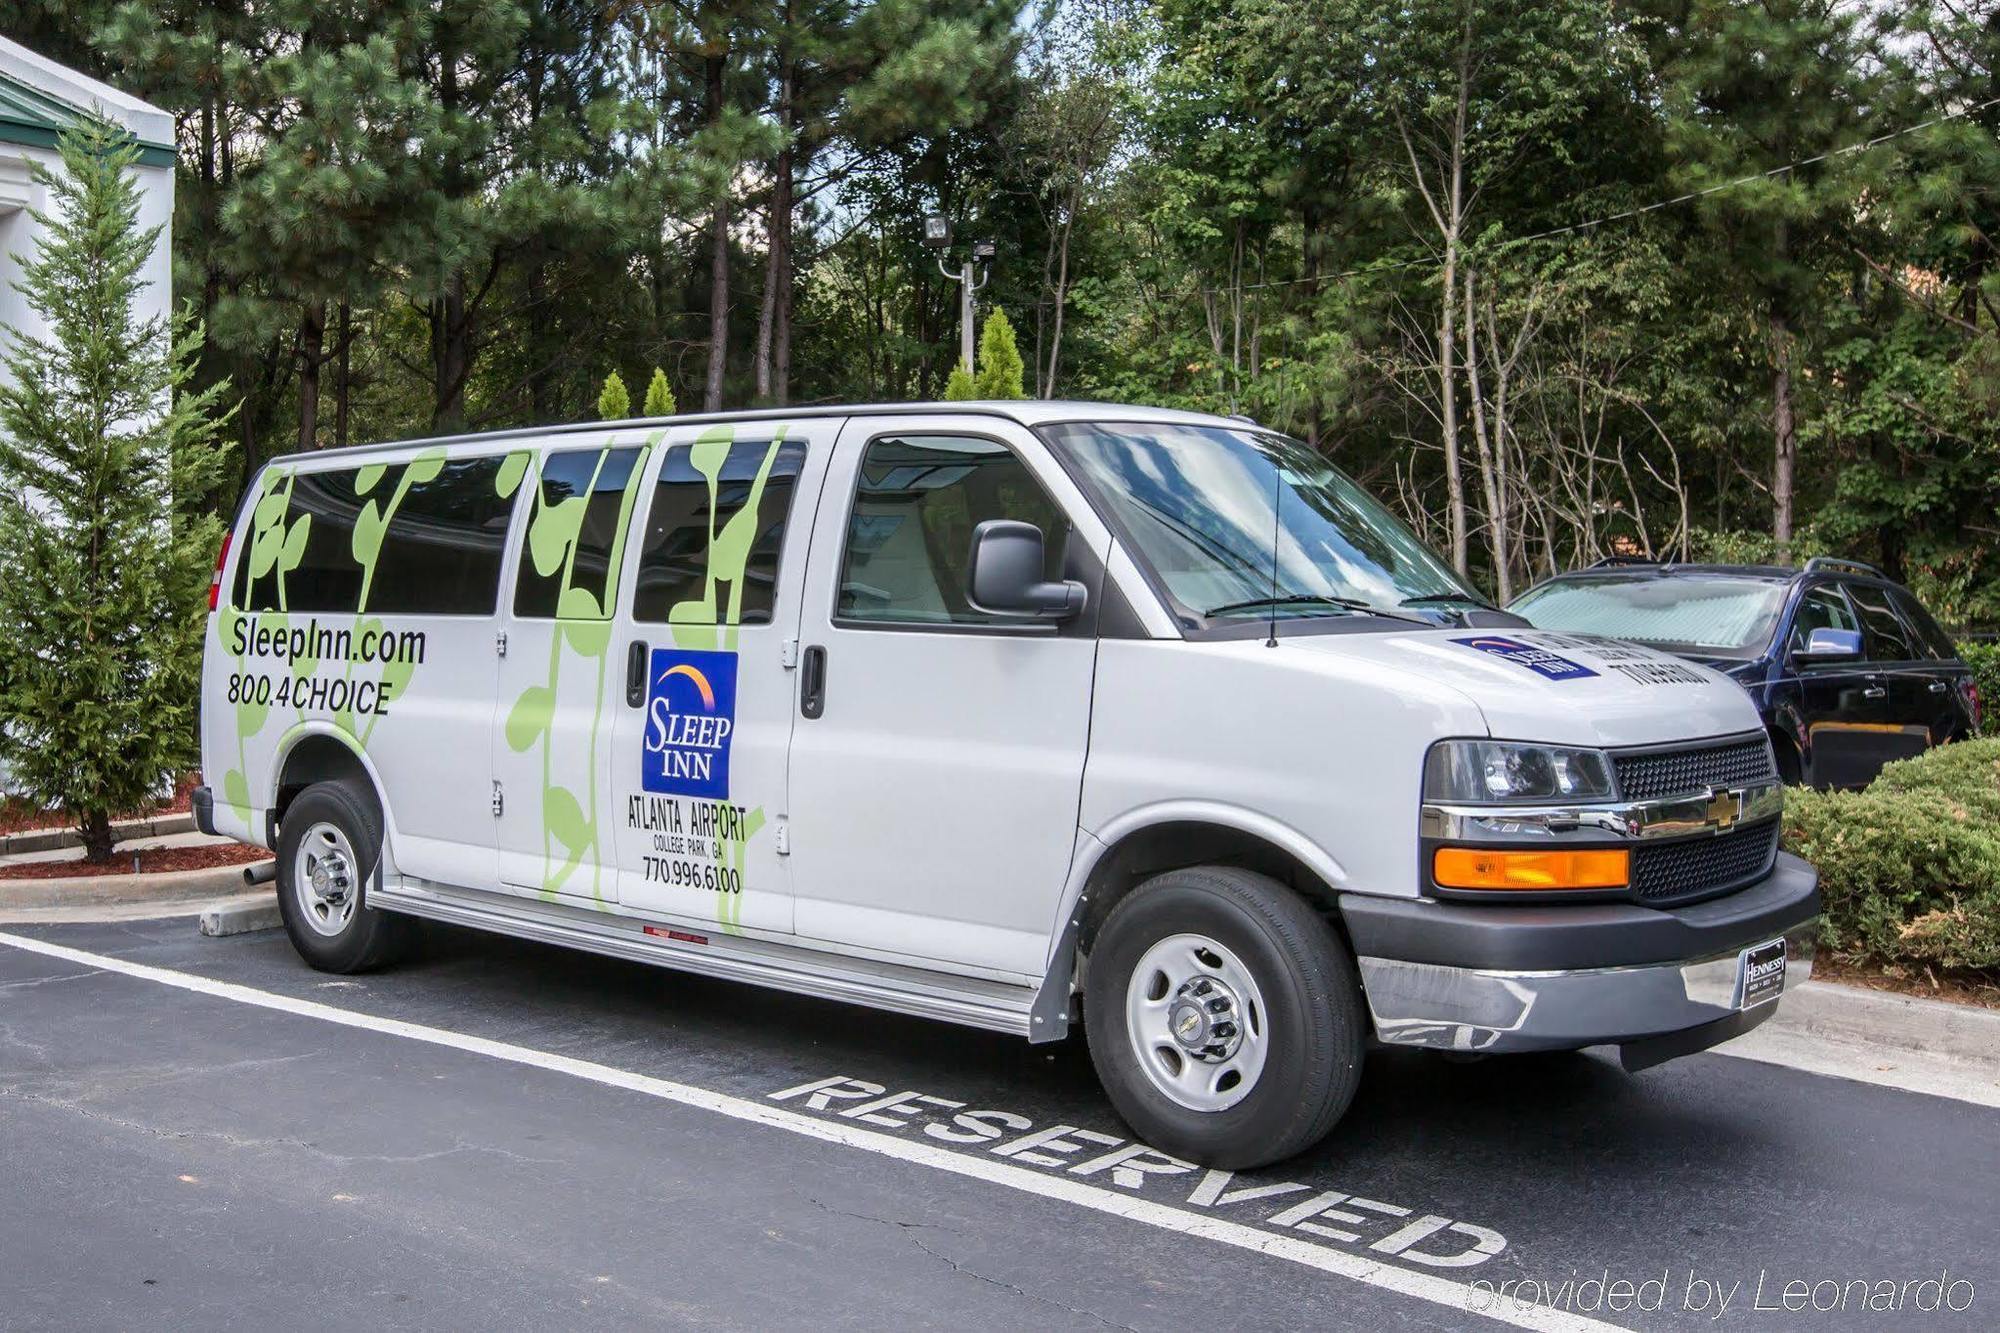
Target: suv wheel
1224, 1017
329, 848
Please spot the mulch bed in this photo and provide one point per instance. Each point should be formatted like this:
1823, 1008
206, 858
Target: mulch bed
1969, 986
17, 816
150, 862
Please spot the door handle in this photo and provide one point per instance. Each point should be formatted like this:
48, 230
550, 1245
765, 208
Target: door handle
1875, 692
1938, 687
635, 674
812, 682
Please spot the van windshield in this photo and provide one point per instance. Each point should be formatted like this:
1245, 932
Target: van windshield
1721, 616
1198, 503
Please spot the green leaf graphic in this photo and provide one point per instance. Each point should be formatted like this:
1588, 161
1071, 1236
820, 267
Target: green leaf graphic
528, 720
367, 476
566, 820
512, 469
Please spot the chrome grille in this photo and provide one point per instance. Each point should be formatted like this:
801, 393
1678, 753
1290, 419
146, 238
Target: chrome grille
1646, 774
1703, 866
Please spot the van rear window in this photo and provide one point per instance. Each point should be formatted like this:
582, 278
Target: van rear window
422, 536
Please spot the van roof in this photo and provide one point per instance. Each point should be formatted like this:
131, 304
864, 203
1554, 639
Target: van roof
1027, 412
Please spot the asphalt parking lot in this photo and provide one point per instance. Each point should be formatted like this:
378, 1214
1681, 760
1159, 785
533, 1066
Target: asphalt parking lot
201, 1132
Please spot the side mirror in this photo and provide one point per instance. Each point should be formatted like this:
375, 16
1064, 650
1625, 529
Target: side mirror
1004, 575
1831, 645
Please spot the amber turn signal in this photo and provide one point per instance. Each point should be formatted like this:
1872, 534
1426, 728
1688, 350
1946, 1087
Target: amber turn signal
1470, 868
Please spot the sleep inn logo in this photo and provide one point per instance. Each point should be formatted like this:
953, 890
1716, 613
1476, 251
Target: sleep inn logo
690, 717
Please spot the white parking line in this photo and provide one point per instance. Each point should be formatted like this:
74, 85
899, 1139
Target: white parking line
1459, 1297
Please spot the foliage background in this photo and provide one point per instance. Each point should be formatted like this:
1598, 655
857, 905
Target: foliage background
1423, 236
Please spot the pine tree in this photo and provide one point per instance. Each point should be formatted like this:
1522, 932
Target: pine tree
1000, 367
613, 403
105, 462
659, 396
960, 388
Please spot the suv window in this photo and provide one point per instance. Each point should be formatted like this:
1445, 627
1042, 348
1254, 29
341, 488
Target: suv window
710, 549
1822, 607
575, 532
1888, 640
1931, 639
915, 506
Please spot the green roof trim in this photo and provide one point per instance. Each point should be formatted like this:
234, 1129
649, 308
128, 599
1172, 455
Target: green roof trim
30, 117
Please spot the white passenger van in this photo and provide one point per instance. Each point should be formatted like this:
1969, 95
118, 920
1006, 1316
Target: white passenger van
1008, 715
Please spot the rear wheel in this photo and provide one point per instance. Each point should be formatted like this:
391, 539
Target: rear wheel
1224, 1017
329, 849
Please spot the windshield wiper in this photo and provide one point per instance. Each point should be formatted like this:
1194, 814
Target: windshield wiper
1348, 604
1433, 598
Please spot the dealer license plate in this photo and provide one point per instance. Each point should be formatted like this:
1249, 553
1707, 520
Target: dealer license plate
1760, 974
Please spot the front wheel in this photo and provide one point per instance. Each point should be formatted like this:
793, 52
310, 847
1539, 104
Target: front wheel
1224, 1017
329, 849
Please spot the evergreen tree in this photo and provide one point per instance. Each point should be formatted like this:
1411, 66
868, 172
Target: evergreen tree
105, 464
960, 388
1000, 367
613, 403
659, 396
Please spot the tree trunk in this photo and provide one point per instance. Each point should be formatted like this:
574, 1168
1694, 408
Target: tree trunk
1454, 479
312, 355
344, 374
1785, 433
1489, 477
93, 828
451, 356
718, 264
774, 322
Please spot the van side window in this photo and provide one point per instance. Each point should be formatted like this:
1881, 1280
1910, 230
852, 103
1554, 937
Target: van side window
569, 557
421, 536
1888, 641
910, 535
1820, 608
327, 577
441, 553
710, 548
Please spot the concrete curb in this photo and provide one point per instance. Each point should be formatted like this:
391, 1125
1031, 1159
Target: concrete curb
170, 886
49, 839
1857, 1016
241, 915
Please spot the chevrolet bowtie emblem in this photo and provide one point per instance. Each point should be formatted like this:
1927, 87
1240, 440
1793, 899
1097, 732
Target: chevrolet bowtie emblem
1724, 808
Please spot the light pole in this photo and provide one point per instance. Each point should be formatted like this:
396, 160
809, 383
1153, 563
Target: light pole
937, 235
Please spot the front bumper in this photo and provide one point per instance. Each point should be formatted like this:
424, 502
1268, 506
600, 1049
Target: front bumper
1656, 982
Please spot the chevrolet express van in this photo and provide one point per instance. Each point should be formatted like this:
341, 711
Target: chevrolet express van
1012, 715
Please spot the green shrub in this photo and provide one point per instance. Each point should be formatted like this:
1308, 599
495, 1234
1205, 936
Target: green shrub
1983, 656
1910, 867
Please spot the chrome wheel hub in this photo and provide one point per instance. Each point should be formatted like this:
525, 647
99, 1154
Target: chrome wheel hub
326, 879
1196, 1021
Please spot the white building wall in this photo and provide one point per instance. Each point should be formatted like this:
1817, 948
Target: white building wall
19, 194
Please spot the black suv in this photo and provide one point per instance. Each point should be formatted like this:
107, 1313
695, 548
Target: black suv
1847, 668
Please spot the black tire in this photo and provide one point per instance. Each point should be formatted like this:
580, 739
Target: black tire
1314, 1021
366, 938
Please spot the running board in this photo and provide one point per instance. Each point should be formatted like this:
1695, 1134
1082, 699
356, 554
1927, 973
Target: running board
904, 990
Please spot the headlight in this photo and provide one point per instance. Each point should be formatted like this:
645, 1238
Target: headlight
1508, 772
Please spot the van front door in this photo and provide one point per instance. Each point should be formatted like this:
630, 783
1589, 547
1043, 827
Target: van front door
706, 684
938, 756
560, 685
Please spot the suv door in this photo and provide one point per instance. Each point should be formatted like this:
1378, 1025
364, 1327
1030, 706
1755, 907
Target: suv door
1903, 706
704, 645
1839, 703
1939, 668
938, 759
